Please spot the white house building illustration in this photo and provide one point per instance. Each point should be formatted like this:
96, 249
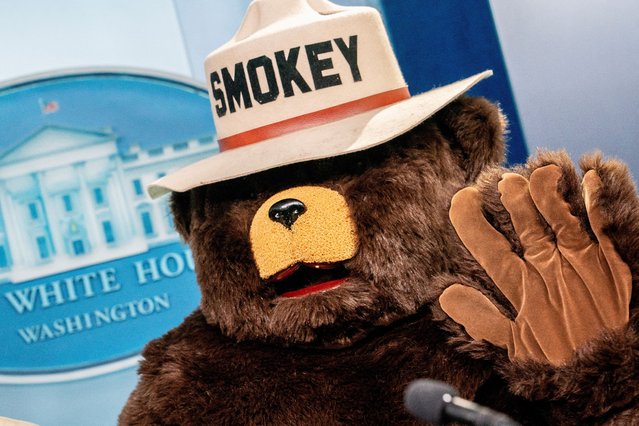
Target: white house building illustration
70, 198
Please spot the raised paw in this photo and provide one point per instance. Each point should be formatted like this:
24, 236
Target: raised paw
565, 286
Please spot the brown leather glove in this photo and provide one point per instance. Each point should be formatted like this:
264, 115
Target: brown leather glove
566, 289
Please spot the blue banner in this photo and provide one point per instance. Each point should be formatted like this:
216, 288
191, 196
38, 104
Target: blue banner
91, 269
95, 315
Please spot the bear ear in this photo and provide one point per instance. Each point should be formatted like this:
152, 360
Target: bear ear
475, 129
181, 210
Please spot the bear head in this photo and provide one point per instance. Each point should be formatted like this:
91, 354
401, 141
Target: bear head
322, 252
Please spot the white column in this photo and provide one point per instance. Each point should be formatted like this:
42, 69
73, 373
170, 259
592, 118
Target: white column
119, 209
15, 238
51, 218
93, 229
157, 216
128, 204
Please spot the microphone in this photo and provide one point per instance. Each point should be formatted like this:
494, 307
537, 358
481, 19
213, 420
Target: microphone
438, 403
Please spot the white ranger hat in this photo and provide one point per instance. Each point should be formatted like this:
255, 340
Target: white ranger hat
305, 80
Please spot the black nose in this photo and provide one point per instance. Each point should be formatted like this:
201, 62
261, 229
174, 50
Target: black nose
286, 211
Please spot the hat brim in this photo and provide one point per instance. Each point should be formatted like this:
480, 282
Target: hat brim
353, 134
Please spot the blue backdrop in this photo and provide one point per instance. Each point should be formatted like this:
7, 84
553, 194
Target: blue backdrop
442, 41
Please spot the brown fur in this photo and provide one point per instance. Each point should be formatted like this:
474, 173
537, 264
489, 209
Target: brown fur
403, 232
196, 376
345, 356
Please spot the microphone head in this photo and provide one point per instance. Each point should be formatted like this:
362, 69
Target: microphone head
424, 399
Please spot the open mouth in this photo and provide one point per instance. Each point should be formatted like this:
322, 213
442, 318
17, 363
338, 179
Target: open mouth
302, 279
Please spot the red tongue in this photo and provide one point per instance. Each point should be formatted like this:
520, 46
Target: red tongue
314, 288
292, 269
285, 273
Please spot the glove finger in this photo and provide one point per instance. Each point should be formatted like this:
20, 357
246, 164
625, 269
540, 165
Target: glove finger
516, 198
477, 314
620, 271
550, 203
489, 247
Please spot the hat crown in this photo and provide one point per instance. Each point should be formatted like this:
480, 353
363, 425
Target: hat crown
264, 13
303, 80
299, 63
325, 7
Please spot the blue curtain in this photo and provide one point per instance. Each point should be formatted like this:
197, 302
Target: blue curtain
442, 41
